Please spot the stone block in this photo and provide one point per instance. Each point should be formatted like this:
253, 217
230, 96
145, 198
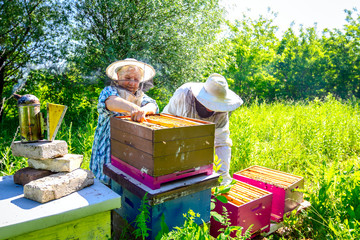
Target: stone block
66, 163
58, 185
40, 150
26, 175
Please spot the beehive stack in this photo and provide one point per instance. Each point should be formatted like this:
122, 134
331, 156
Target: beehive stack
284, 187
247, 205
52, 172
169, 159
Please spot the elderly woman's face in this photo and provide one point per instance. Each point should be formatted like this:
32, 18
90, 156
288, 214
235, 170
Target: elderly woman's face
130, 79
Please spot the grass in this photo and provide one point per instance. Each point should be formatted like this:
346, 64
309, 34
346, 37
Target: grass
318, 140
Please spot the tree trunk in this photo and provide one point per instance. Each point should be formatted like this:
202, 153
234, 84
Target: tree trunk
2, 85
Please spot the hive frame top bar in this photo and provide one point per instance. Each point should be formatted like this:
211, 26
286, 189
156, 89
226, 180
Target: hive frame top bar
189, 121
271, 176
272, 170
242, 193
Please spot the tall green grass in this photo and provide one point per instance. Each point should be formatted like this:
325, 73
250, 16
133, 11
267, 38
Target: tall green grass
318, 140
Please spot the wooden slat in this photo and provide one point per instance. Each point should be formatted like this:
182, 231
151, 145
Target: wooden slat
132, 156
255, 189
172, 134
164, 134
186, 118
234, 200
265, 180
184, 145
134, 141
179, 162
255, 174
267, 176
162, 165
245, 194
277, 172
241, 197
245, 191
270, 175
161, 148
132, 128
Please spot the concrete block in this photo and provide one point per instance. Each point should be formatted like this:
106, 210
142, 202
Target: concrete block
40, 150
66, 163
58, 185
26, 175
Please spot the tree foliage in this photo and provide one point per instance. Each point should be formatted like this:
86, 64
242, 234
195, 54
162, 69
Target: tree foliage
261, 66
169, 35
253, 44
26, 35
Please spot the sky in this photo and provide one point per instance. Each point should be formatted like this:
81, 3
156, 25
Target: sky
326, 13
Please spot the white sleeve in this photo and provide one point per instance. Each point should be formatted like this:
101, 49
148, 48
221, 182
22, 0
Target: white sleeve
224, 153
223, 150
177, 105
222, 135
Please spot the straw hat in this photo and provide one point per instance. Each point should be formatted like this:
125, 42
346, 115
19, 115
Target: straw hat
111, 70
215, 94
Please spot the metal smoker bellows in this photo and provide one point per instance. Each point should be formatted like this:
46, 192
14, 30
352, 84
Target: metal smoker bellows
30, 118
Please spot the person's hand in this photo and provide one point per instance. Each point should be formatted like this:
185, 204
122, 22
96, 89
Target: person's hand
138, 114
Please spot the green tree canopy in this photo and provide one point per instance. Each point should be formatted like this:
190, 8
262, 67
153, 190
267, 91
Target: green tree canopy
310, 64
170, 35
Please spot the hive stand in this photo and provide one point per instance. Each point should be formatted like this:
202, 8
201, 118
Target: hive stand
84, 214
171, 200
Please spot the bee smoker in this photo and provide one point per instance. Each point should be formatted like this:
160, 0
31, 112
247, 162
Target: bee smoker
30, 118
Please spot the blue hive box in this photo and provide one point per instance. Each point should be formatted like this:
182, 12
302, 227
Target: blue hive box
172, 200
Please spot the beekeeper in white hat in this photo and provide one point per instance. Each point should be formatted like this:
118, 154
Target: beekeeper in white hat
210, 101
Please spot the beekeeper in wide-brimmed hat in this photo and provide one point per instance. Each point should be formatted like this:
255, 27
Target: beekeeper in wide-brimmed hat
125, 96
210, 101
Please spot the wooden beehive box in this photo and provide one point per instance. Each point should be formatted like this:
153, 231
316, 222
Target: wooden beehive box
163, 145
247, 205
281, 184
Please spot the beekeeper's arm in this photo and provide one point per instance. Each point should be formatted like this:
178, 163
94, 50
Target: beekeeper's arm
223, 142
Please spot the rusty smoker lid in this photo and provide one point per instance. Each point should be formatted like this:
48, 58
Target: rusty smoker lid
27, 99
